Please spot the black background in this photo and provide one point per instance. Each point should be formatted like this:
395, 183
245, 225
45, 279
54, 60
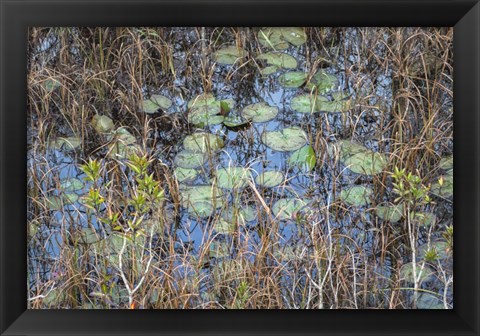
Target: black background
17, 15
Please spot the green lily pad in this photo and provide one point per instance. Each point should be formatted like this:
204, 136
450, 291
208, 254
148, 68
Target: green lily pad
235, 121
279, 37
340, 95
240, 215
202, 143
292, 79
284, 208
391, 213
188, 159
123, 136
366, 163
446, 163
232, 177
51, 84
288, 253
58, 202
71, 184
102, 124
54, 202
307, 103
406, 272
279, 60
201, 193
201, 209
441, 247
270, 178
323, 82
155, 102
201, 100
118, 150
272, 38
205, 115
294, 35
285, 140
260, 112
444, 189
423, 218
304, 158
185, 174
224, 227
219, 249
335, 106
356, 196
229, 55
429, 301
347, 148
269, 70
69, 143
88, 236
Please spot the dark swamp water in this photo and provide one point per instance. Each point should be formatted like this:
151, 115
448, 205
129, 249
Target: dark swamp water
240, 168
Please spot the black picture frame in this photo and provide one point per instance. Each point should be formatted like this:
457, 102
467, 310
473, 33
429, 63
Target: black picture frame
17, 15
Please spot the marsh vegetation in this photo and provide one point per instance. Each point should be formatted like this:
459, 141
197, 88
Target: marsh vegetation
240, 168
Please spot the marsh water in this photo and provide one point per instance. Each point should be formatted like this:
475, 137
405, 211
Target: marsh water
329, 228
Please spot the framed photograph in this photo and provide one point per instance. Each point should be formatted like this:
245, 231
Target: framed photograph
239, 167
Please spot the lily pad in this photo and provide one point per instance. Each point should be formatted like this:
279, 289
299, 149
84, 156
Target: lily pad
294, 35
446, 163
235, 122
87, 236
307, 103
323, 82
118, 150
279, 37
292, 79
260, 112
51, 84
241, 215
429, 301
284, 208
205, 115
102, 124
232, 177
69, 143
229, 55
224, 227
347, 148
202, 143
392, 213
356, 196
335, 106
155, 102
201, 209
201, 100
406, 272
219, 249
201, 193
279, 60
71, 184
423, 218
304, 158
269, 70
441, 247
122, 135
272, 38
184, 175
270, 178
443, 188
188, 159
287, 139
56, 202
366, 163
